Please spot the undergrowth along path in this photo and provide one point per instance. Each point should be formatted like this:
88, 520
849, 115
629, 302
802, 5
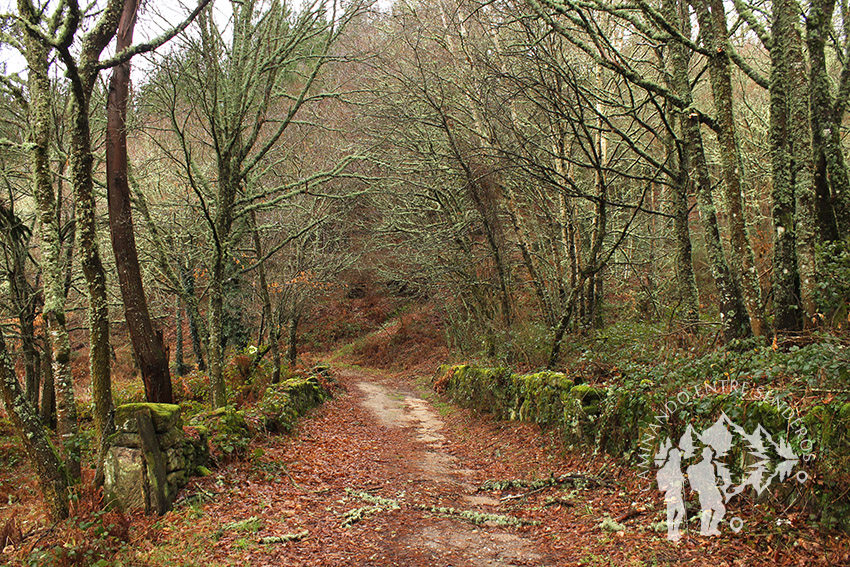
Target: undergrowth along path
386, 474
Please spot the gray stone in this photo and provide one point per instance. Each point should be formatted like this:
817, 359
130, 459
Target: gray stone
157, 491
124, 478
122, 439
175, 458
171, 438
178, 478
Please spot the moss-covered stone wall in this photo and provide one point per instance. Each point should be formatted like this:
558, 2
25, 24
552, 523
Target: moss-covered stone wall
624, 420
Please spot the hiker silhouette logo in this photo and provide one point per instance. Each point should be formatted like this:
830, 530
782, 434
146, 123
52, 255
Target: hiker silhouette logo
698, 461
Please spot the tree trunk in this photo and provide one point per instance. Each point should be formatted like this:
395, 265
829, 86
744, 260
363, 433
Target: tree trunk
274, 339
733, 315
292, 349
51, 268
47, 411
188, 283
273, 324
218, 392
31, 373
179, 361
148, 350
785, 281
800, 139
712, 19
81, 174
50, 471
827, 117
685, 279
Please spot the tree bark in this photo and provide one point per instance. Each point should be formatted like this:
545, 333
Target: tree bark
826, 116
800, 139
733, 315
51, 267
292, 348
50, 471
712, 18
147, 348
685, 279
179, 361
188, 282
47, 410
268, 316
785, 281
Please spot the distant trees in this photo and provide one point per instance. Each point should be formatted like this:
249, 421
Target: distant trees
559, 140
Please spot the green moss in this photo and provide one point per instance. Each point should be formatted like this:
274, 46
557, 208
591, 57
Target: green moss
228, 429
284, 402
164, 416
540, 397
586, 394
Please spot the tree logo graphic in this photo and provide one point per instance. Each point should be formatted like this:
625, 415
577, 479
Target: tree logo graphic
709, 475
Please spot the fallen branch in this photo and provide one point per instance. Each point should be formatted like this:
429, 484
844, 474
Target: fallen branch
584, 481
524, 495
295, 536
478, 518
379, 504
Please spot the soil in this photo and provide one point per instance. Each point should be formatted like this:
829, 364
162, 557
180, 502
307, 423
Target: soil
410, 463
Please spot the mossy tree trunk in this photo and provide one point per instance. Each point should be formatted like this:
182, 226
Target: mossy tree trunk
827, 113
188, 282
179, 360
82, 72
47, 409
794, 172
50, 470
36, 55
93, 270
272, 322
785, 279
733, 315
711, 15
292, 348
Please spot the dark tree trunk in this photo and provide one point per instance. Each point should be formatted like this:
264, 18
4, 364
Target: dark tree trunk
292, 349
194, 332
832, 178
786, 312
148, 350
733, 314
712, 19
179, 362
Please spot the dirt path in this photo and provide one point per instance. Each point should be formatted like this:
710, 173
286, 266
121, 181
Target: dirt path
381, 475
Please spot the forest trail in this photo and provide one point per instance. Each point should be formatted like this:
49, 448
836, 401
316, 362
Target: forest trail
386, 474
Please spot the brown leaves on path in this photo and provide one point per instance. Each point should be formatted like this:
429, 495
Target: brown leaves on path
408, 468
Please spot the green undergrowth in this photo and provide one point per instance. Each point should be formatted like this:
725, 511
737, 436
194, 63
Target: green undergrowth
230, 429
612, 400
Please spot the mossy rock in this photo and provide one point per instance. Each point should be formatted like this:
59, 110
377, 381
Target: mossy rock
227, 427
284, 402
484, 389
589, 397
163, 416
540, 397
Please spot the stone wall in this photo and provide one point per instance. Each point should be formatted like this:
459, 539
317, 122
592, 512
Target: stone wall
150, 457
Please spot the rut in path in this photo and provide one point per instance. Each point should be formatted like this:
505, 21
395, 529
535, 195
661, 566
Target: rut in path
379, 443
